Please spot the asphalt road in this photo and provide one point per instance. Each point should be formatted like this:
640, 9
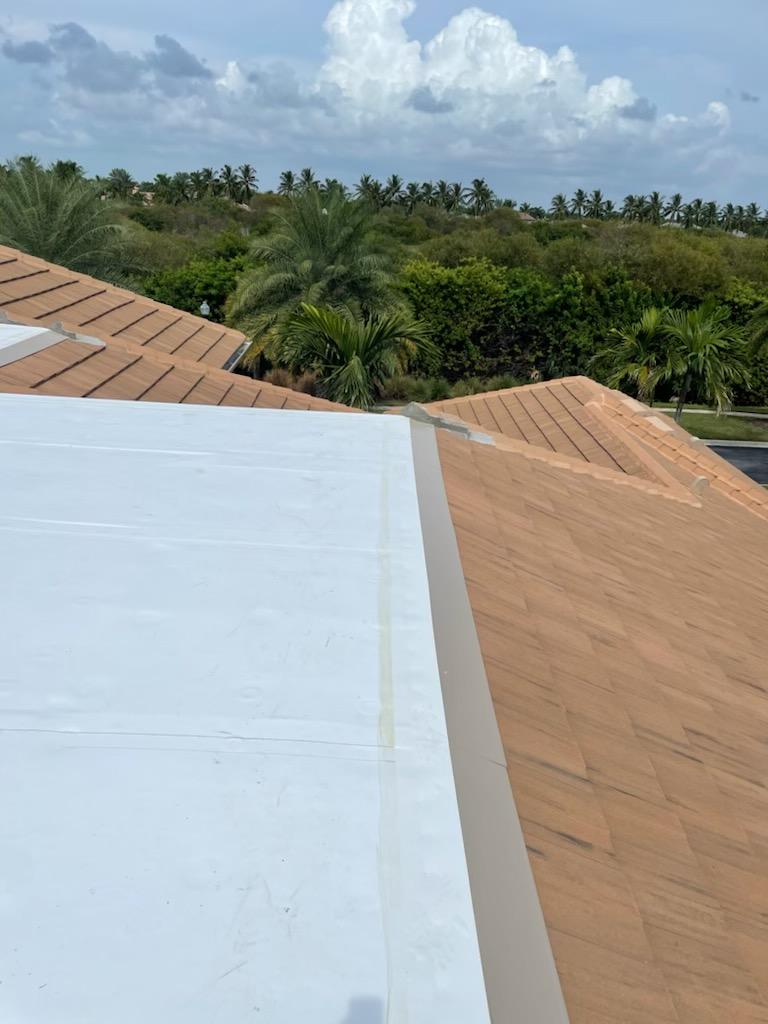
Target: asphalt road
751, 459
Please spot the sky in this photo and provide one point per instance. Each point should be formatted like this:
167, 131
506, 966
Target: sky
536, 97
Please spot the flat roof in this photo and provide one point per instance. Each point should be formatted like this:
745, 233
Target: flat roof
228, 784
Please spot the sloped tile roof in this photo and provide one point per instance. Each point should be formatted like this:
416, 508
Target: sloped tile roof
120, 369
587, 423
624, 639
45, 294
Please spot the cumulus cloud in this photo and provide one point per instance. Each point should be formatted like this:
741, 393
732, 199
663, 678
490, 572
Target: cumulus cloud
31, 52
475, 92
170, 58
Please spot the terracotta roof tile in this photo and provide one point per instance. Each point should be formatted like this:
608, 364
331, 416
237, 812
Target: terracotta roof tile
120, 369
589, 424
35, 291
625, 647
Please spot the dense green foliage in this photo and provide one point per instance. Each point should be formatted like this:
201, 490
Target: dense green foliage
316, 254
59, 217
506, 291
352, 358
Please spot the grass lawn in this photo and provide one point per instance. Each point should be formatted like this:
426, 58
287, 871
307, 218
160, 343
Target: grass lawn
725, 428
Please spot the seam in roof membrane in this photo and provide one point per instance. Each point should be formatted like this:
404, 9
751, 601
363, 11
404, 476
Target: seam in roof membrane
521, 980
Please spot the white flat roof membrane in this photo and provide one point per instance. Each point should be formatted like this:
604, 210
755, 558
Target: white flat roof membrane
227, 790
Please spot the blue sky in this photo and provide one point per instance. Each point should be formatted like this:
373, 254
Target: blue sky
536, 97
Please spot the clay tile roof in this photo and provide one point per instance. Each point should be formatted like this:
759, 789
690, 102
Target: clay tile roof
625, 644
120, 369
589, 424
34, 291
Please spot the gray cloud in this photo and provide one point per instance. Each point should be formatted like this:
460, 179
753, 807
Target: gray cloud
424, 99
748, 97
28, 53
641, 110
93, 65
171, 58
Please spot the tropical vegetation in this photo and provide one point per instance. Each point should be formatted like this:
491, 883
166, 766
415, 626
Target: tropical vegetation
643, 292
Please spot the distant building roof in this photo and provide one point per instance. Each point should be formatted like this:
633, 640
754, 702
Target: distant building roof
45, 294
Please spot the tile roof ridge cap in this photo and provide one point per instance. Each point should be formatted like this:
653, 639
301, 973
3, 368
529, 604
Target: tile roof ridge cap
598, 408
583, 468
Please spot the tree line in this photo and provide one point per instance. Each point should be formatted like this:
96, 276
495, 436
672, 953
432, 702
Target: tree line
348, 288
239, 184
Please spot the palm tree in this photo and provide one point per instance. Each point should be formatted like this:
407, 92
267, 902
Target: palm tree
119, 183
708, 214
442, 190
609, 208
369, 189
230, 182
393, 190
595, 205
411, 196
654, 208
318, 253
631, 207
307, 180
479, 196
67, 169
161, 188
179, 189
211, 186
673, 211
706, 352
351, 356
727, 217
579, 202
247, 180
59, 219
288, 186
559, 207
454, 199
636, 354
428, 193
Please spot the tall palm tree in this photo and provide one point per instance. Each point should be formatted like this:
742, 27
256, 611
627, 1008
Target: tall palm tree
351, 356
67, 169
319, 253
654, 208
411, 196
727, 217
579, 202
428, 193
230, 183
636, 354
559, 207
59, 219
673, 211
370, 190
708, 214
752, 215
247, 180
442, 190
609, 208
480, 196
210, 184
393, 190
119, 183
631, 207
454, 199
307, 179
288, 186
705, 352
595, 206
